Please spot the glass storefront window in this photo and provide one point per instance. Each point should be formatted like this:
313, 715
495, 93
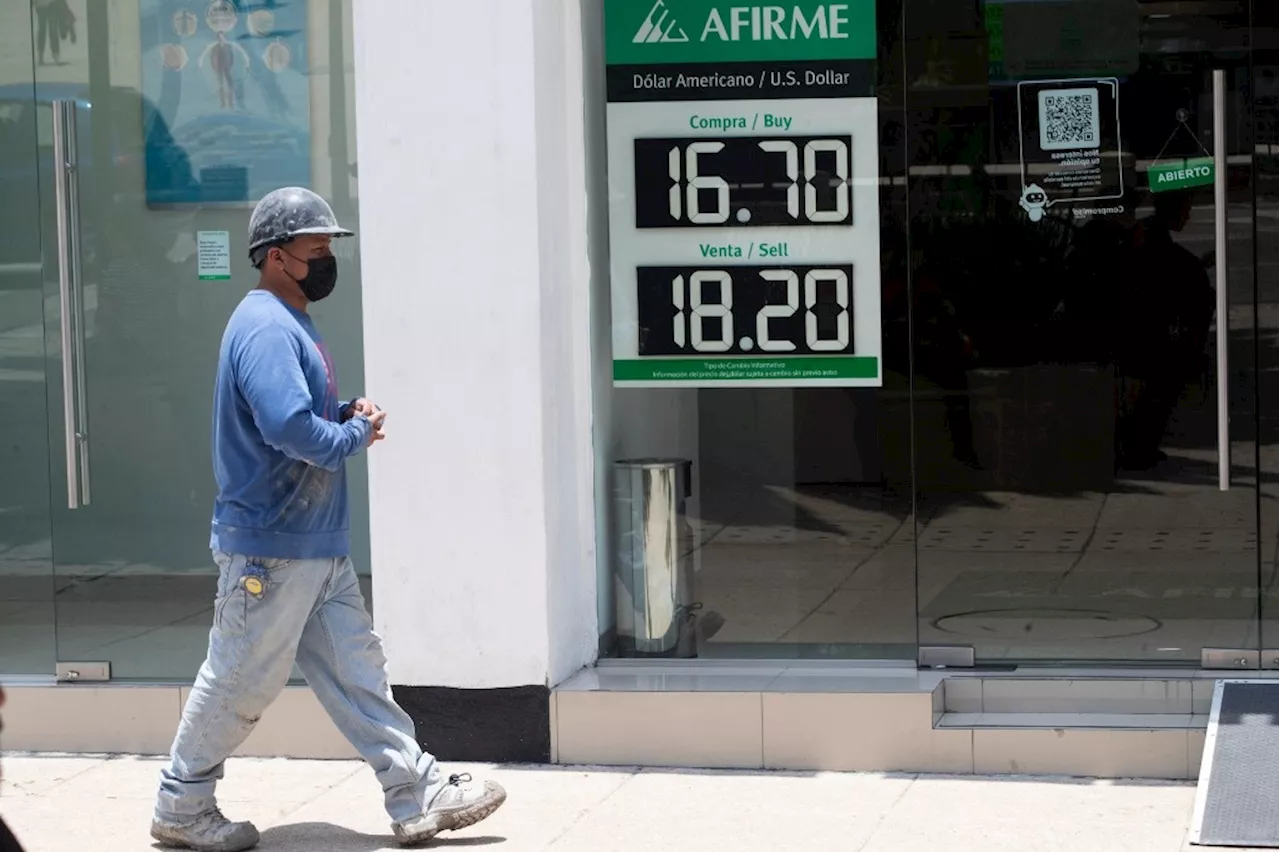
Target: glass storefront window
1069, 456
26, 571
1107, 385
178, 118
760, 319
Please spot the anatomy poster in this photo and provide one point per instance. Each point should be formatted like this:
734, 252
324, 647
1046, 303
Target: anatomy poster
225, 99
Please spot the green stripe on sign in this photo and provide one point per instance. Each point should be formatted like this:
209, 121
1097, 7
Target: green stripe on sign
655, 32
799, 369
1180, 174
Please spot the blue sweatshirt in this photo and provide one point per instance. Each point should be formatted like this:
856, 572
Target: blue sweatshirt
279, 450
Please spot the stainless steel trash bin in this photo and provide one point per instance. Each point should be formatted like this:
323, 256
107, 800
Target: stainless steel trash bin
653, 574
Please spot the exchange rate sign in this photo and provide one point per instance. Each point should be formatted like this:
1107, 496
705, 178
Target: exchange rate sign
744, 193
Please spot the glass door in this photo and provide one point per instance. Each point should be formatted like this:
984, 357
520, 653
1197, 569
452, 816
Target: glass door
170, 119
1266, 223
1086, 372
26, 569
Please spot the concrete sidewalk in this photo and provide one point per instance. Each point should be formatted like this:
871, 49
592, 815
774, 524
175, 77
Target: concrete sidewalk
74, 804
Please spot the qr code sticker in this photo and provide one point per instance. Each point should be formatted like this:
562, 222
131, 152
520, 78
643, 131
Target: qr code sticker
1069, 119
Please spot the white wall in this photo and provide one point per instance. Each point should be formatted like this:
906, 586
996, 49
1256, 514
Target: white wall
476, 307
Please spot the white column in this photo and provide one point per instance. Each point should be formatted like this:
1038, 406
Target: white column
473, 229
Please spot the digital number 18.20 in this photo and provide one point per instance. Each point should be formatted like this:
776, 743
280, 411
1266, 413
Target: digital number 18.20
690, 325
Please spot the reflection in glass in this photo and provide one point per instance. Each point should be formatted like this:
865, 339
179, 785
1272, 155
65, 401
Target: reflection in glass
128, 578
801, 528
801, 546
1266, 185
1065, 399
26, 569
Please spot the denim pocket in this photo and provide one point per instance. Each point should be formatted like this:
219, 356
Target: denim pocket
226, 587
242, 579
244, 583
227, 570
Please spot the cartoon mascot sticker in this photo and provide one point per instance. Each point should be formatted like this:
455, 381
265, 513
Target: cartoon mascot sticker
1034, 201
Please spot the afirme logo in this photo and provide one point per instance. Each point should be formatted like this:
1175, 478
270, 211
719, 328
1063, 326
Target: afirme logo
748, 23
653, 30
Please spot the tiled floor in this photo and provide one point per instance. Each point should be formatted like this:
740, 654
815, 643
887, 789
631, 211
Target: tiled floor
1019, 576
1155, 571
1117, 576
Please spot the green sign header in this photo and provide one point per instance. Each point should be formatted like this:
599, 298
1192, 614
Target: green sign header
1180, 174
658, 32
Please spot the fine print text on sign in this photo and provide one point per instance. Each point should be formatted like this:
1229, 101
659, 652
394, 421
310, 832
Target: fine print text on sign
213, 255
744, 193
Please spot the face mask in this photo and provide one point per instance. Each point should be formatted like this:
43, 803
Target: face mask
321, 277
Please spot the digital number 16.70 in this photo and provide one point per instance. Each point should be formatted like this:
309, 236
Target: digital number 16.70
689, 180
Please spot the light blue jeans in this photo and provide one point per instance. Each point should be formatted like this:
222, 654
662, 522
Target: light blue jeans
267, 613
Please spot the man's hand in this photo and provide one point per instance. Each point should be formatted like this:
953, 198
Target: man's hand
377, 432
359, 406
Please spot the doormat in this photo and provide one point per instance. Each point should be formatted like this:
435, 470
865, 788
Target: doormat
1236, 796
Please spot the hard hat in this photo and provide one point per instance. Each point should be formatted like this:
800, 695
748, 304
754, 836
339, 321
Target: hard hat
287, 213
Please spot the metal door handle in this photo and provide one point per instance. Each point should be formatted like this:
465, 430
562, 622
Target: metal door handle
71, 296
1220, 262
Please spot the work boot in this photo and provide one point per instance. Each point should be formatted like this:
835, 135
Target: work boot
462, 802
209, 832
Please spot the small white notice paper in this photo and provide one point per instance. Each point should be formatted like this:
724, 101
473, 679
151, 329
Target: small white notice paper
213, 255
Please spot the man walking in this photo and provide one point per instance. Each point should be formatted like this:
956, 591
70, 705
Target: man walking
286, 587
